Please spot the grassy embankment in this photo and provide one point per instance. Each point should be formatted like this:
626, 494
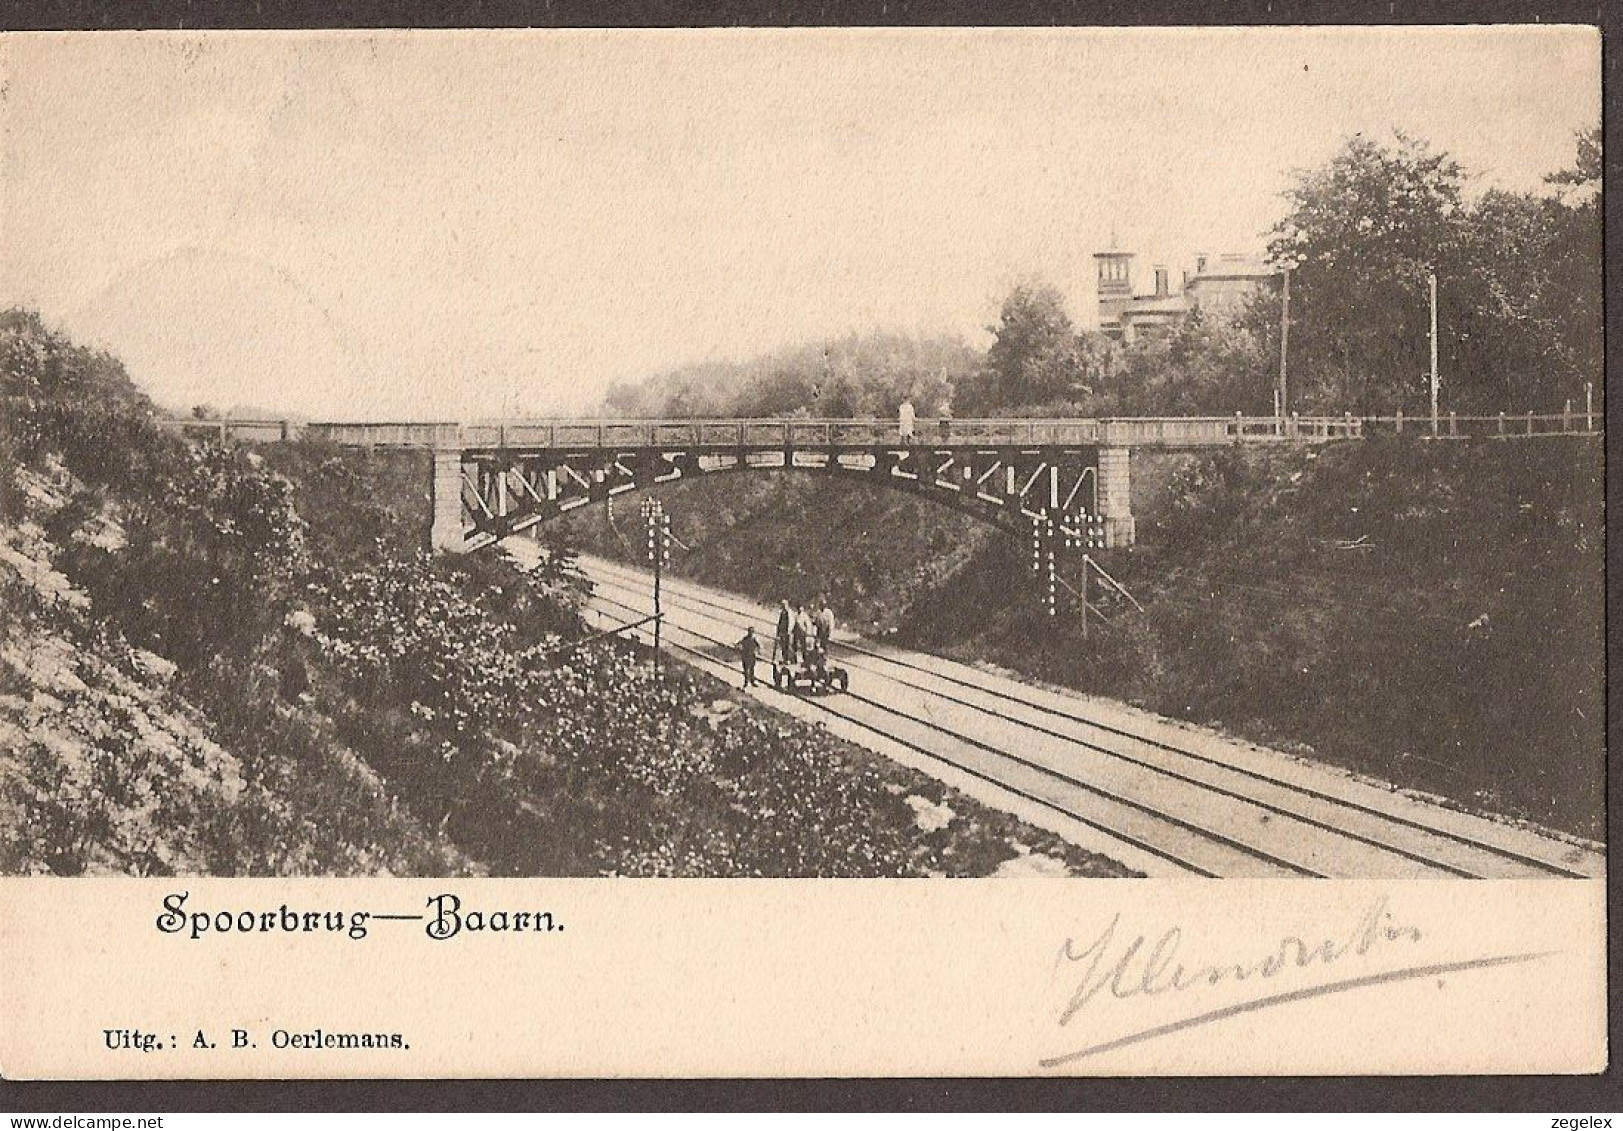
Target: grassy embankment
1429, 614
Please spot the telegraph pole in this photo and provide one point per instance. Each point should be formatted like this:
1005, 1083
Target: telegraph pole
1282, 398
1085, 565
1431, 279
1053, 572
659, 552
1043, 535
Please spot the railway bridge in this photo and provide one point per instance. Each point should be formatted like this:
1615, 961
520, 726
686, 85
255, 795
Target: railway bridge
494, 479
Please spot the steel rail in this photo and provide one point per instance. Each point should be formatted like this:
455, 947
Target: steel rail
1380, 815
1112, 833
1047, 771
1162, 771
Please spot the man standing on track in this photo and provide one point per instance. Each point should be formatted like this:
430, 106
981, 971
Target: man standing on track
823, 619
781, 646
802, 631
747, 649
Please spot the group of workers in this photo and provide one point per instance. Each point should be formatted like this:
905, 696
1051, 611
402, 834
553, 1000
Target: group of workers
803, 633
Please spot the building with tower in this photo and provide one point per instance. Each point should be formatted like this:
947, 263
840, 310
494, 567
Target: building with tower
1218, 287
1115, 288
1221, 287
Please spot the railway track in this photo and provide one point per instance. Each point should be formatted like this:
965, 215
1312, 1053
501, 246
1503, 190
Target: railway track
1162, 799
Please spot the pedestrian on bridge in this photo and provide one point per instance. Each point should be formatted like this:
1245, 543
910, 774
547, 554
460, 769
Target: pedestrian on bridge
905, 421
748, 647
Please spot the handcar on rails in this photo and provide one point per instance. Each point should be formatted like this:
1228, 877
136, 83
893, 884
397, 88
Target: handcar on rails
811, 674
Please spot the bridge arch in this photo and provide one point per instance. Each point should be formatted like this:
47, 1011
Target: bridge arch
484, 495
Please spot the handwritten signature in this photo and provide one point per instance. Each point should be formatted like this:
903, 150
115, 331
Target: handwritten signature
1141, 969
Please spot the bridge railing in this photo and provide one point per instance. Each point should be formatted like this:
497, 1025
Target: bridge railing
1501, 425
1214, 431
250, 430
1187, 431
385, 435
763, 433
1164, 432
1036, 430
1299, 428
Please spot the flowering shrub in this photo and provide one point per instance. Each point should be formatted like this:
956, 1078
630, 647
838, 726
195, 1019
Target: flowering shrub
75, 404
555, 759
401, 632
211, 549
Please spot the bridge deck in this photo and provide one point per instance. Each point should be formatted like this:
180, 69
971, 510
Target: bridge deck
862, 434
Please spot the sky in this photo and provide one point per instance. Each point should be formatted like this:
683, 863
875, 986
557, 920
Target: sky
444, 225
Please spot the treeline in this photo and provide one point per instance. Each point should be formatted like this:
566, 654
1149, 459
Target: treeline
852, 376
1519, 319
1518, 283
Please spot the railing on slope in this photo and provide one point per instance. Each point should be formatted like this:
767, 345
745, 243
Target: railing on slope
1502, 425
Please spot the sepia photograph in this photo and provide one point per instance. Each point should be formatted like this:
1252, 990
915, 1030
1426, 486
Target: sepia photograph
1116, 483
934, 454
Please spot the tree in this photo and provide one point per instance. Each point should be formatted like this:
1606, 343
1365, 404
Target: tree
1201, 367
1035, 358
75, 403
1574, 289
851, 376
1518, 283
1584, 176
1500, 333
212, 552
1520, 315
1362, 234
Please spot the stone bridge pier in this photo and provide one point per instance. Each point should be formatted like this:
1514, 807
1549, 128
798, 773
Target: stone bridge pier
1115, 490
447, 533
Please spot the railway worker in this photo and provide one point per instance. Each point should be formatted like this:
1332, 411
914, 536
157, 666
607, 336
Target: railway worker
904, 421
804, 630
818, 662
824, 621
783, 645
748, 647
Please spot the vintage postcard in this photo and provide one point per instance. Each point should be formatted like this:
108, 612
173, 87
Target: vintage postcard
802, 553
